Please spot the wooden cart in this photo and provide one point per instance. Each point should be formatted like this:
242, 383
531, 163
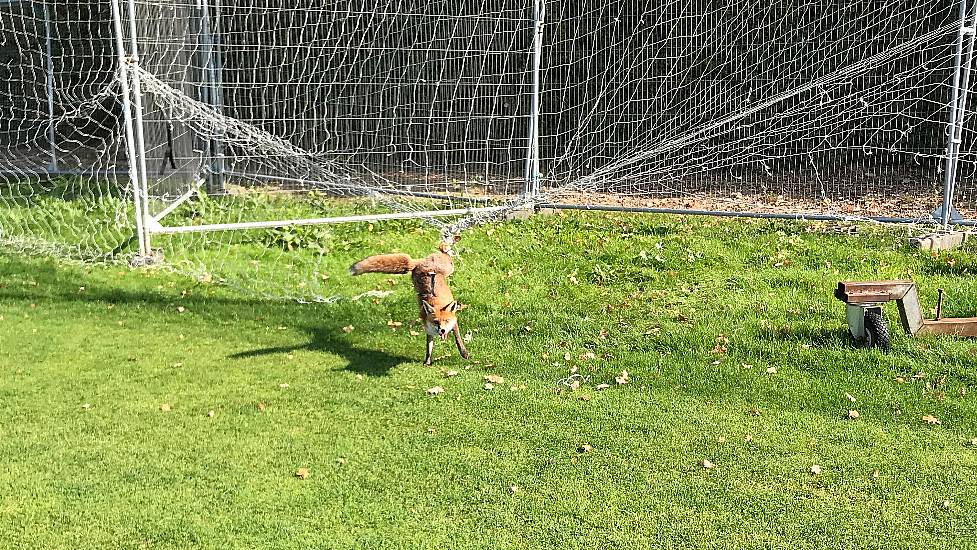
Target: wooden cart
863, 304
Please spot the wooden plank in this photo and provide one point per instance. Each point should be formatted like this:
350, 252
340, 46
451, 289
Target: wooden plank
861, 292
961, 326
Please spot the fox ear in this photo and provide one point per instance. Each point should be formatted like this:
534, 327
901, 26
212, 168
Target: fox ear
428, 308
458, 307
453, 306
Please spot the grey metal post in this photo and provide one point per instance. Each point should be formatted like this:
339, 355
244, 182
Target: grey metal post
532, 156
213, 92
52, 140
963, 60
140, 139
130, 133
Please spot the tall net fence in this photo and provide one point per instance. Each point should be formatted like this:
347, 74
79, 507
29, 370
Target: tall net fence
255, 113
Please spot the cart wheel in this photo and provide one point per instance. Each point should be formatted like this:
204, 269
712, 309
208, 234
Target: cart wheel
876, 331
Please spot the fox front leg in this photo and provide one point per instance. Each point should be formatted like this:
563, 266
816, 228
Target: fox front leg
430, 349
460, 344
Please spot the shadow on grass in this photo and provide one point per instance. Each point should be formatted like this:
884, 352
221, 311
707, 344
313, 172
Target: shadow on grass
370, 362
815, 337
323, 324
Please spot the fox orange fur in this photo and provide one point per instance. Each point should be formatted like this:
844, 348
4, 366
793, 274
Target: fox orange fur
437, 306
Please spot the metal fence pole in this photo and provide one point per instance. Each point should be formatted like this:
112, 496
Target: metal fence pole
958, 105
140, 125
128, 124
213, 94
52, 140
532, 154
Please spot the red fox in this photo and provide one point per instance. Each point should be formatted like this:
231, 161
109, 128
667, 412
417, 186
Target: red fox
437, 306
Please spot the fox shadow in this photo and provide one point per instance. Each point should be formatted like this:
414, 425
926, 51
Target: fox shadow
366, 361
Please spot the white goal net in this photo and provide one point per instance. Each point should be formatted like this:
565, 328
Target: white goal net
457, 112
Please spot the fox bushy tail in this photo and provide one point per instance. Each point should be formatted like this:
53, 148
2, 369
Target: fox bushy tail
383, 263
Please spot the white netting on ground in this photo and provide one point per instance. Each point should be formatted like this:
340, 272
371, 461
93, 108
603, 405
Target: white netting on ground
419, 106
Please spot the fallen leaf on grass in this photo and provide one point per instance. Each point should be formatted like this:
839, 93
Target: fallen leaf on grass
623, 378
853, 414
815, 469
494, 378
165, 407
394, 324
973, 441
771, 370
585, 448
931, 420
436, 390
849, 397
513, 489
706, 465
181, 309
900, 380
450, 373
348, 329
302, 473
87, 406
415, 333
585, 398
488, 386
283, 386
210, 414
602, 386
261, 406
341, 460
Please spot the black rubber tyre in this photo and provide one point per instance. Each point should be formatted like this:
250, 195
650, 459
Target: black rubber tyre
876, 331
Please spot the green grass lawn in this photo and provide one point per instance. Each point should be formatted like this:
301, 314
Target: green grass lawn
736, 352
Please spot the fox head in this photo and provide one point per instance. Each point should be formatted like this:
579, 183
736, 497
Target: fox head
440, 320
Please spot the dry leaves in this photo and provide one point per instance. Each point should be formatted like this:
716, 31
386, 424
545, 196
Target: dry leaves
624, 378
488, 386
584, 398
602, 386
815, 469
211, 414
394, 324
450, 373
494, 379
849, 397
261, 406
853, 414
973, 441
165, 407
180, 309
706, 465
436, 390
302, 473
771, 370
931, 420
585, 448
348, 329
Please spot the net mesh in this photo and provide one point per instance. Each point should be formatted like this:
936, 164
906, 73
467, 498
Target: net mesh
432, 108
